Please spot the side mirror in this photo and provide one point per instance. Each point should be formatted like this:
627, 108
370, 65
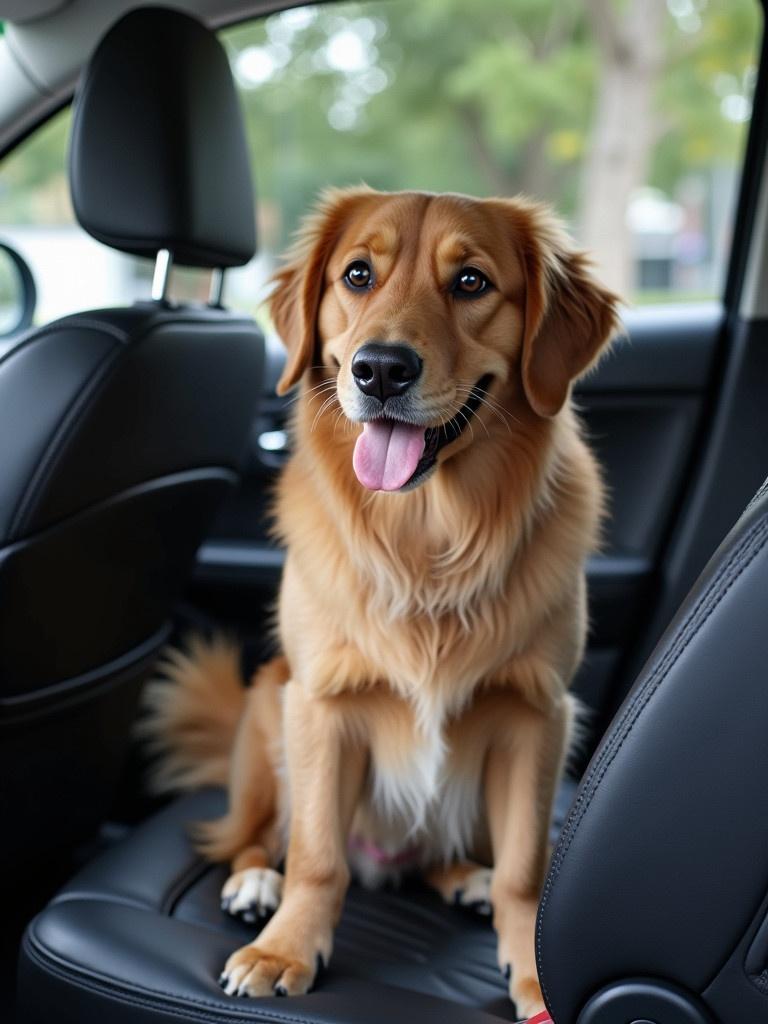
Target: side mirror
18, 295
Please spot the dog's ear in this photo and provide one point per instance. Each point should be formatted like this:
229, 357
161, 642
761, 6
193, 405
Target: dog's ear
569, 316
295, 300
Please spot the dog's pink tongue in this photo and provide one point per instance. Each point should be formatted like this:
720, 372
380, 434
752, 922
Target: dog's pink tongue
386, 454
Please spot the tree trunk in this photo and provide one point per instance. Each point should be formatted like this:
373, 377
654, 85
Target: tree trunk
630, 45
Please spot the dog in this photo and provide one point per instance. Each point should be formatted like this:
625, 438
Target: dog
436, 514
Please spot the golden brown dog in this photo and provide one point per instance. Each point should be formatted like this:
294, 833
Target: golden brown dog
436, 513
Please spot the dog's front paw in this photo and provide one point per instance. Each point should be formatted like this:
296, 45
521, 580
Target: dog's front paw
254, 971
252, 894
475, 892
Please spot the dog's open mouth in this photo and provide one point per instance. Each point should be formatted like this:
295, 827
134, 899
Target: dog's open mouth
391, 454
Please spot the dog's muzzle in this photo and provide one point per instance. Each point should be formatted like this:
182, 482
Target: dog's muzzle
392, 455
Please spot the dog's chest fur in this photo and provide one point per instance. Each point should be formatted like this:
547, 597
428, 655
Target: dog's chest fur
421, 802
429, 611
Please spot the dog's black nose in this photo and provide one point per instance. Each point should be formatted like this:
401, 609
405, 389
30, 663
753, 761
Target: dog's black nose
384, 371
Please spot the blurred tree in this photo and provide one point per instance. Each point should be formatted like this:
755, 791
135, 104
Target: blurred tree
661, 108
33, 187
630, 49
574, 101
578, 102
492, 99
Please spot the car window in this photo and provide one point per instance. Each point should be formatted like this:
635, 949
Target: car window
629, 117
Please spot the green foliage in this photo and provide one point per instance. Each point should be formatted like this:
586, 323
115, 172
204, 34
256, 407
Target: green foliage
492, 96
33, 187
703, 70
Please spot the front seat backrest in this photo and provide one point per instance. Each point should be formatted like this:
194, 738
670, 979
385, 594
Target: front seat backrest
121, 430
656, 905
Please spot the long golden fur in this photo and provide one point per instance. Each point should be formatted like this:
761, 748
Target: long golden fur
419, 714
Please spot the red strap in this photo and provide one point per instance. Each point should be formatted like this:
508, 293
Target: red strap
540, 1018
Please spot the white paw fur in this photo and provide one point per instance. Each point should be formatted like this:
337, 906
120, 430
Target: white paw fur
475, 892
252, 894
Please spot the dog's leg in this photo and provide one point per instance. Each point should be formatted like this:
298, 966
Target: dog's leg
464, 885
520, 780
325, 776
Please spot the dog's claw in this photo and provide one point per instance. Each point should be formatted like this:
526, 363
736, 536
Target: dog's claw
255, 973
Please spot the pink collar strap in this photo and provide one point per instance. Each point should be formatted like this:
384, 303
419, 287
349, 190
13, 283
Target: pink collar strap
403, 858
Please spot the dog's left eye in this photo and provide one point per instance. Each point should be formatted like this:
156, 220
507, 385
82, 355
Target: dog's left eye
358, 274
471, 282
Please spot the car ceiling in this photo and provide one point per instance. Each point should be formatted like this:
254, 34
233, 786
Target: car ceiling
46, 43
27, 10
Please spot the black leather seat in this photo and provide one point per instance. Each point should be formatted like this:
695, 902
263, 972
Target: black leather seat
121, 430
656, 904
655, 910
139, 936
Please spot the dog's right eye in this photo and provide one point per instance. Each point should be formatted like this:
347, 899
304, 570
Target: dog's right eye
358, 275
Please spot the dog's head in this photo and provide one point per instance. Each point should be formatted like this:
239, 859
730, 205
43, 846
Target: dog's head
430, 310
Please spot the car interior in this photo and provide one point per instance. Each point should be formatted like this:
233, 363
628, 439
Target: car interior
140, 442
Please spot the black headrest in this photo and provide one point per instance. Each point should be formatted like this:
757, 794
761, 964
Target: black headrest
158, 158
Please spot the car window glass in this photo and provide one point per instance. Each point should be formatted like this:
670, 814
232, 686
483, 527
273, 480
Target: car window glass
629, 117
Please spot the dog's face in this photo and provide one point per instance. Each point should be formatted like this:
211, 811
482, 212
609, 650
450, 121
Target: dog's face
430, 310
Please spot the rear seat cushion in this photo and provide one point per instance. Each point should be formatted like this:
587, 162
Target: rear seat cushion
138, 936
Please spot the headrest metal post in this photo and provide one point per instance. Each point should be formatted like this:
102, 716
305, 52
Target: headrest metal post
162, 276
216, 293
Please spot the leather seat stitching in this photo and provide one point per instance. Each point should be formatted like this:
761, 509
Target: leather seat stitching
664, 661
763, 490
755, 540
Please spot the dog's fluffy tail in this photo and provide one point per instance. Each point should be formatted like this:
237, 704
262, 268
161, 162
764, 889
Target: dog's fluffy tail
192, 715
